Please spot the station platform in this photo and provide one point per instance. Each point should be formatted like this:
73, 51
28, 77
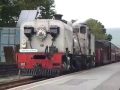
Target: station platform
101, 78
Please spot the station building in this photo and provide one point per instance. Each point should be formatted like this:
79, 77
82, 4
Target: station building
9, 43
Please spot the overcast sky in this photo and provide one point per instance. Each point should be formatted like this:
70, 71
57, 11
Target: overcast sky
106, 11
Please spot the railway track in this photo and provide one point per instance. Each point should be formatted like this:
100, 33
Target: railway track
19, 82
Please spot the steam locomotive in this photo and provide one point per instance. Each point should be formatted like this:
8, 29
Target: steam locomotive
50, 47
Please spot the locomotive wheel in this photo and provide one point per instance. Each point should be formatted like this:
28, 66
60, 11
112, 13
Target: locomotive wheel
66, 64
90, 63
77, 65
57, 73
93, 63
87, 65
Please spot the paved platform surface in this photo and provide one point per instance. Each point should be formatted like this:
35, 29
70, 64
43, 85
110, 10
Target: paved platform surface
101, 78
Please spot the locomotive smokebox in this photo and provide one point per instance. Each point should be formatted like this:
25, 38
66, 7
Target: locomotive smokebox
58, 16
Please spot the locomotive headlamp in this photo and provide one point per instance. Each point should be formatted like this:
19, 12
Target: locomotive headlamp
54, 31
24, 43
22, 64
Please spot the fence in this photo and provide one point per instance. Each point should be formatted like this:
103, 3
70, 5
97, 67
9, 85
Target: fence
7, 70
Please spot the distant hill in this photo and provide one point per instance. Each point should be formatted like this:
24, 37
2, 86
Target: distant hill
115, 32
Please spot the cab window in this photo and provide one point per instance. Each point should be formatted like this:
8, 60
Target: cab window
83, 29
75, 30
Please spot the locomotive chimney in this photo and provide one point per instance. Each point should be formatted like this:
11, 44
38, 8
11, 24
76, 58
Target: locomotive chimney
58, 16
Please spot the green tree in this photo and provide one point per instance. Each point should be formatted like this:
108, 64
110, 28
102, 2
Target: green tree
10, 10
109, 37
97, 28
47, 6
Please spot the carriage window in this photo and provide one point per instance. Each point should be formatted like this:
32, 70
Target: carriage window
83, 29
75, 30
